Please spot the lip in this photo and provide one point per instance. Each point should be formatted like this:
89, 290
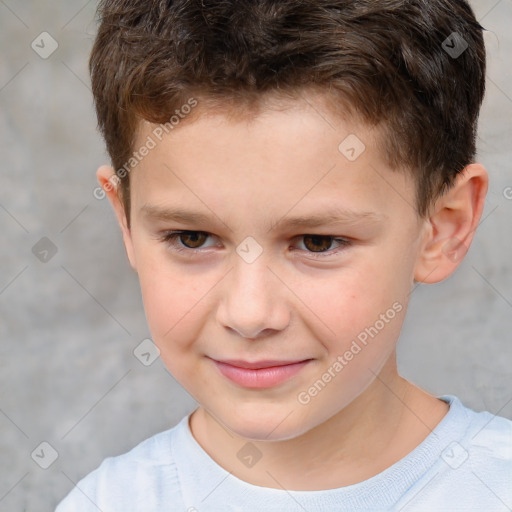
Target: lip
259, 374
258, 365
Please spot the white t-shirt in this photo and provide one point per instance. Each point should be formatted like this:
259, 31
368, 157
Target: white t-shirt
465, 464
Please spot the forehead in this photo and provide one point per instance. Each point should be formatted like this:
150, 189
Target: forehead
296, 154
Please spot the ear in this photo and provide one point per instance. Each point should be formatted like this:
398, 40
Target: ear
451, 225
109, 182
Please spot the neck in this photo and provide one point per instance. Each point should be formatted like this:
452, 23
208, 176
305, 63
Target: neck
382, 425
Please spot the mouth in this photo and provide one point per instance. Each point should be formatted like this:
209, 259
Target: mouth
259, 374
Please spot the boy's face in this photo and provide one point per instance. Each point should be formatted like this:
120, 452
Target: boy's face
219, 299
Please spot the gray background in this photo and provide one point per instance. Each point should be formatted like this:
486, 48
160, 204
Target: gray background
68, 327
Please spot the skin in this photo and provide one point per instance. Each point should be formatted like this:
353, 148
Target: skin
248, 176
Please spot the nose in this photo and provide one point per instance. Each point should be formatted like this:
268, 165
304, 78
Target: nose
254, 302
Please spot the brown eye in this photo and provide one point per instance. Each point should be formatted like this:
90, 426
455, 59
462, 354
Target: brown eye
317, 243
193, 239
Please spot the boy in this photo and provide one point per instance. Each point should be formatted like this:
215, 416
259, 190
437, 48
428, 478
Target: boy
286, 171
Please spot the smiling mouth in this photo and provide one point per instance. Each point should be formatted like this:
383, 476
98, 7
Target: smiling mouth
257, 365
259, 374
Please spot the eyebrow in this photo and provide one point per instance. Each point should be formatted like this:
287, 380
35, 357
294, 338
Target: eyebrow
175, 215
329, 217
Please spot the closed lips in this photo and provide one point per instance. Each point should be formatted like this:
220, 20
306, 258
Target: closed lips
258, 365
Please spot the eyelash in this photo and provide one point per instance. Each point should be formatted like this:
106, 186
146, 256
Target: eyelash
170, 238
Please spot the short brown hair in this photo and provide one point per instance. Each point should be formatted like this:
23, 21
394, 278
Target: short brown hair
388, 62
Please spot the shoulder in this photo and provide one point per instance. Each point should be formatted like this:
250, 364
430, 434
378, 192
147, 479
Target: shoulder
489, 442
474, 469
141, 479
486, 438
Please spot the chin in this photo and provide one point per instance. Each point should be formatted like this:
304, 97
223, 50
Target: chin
264, 424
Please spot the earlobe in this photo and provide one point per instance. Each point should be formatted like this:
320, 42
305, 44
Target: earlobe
451, 225
109, 182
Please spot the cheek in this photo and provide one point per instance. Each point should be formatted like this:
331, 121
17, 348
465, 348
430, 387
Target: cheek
363, 305
170, 307
172, 302
175, 314
343, 300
